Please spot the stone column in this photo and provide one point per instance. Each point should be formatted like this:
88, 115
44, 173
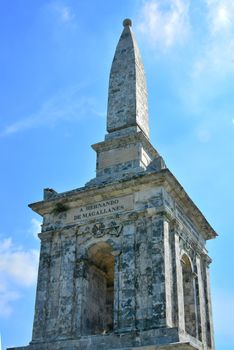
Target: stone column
116, 255
42, 288
127, 302
168, 273
80, 283
209, 323
179, 283
196, 300
143, 248
161, 272
201, 302
51, 331
65, 309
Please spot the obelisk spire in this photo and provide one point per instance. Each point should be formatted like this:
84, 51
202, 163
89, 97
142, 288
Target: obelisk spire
127, 95
126, 150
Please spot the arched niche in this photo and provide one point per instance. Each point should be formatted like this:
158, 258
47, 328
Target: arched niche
99, 291
189, 295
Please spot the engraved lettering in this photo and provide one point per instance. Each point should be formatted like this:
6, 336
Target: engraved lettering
103, 208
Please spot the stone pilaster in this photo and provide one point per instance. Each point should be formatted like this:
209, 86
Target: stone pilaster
65, 307
53, 290
143, 253
202, 304
179, 284
80, 283
209, 322
197, 321
127, 300
42, 289
117, 276
161, 276
168, 273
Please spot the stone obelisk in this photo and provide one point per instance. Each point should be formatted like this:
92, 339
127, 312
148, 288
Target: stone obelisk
123, 260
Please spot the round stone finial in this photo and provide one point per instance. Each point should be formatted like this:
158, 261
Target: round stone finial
127, 22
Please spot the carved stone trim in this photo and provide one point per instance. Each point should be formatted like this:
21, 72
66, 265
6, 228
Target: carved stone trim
190, 245
101, 229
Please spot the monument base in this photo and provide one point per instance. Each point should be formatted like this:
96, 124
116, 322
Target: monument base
163, 339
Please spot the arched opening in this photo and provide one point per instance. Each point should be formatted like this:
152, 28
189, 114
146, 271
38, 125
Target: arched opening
189, 296
100, 290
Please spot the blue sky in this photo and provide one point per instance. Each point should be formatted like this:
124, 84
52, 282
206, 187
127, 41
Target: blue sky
54, 66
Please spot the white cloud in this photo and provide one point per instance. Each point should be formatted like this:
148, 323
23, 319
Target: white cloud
62, 12
209, 63
66, 14
35, 227
66, 105
18, 264
207, 60
217, 50
18, 269
220, 15
164, 23
7, 296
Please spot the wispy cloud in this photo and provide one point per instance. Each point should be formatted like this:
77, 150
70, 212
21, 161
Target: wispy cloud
7, 297
17, 263
67, 105
164, 23
216, 56
220, 15
62, 12
207, 60
212, 65
18, 269
35, 227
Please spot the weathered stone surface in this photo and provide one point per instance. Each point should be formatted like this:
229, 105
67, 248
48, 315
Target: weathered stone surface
122, 156
127, 97
120, 272
126, 149
123, 262
153, 339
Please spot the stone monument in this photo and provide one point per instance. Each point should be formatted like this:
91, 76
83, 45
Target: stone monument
123, 263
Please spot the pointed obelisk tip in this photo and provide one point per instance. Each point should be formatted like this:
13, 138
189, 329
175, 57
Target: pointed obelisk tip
127, 22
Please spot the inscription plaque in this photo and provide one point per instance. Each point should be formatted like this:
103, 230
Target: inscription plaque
110, 206
91, 211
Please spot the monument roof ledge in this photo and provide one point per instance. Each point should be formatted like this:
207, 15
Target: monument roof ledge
125, 140
160, 178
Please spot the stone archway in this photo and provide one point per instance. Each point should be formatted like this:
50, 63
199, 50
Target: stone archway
99, 294
189, 296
